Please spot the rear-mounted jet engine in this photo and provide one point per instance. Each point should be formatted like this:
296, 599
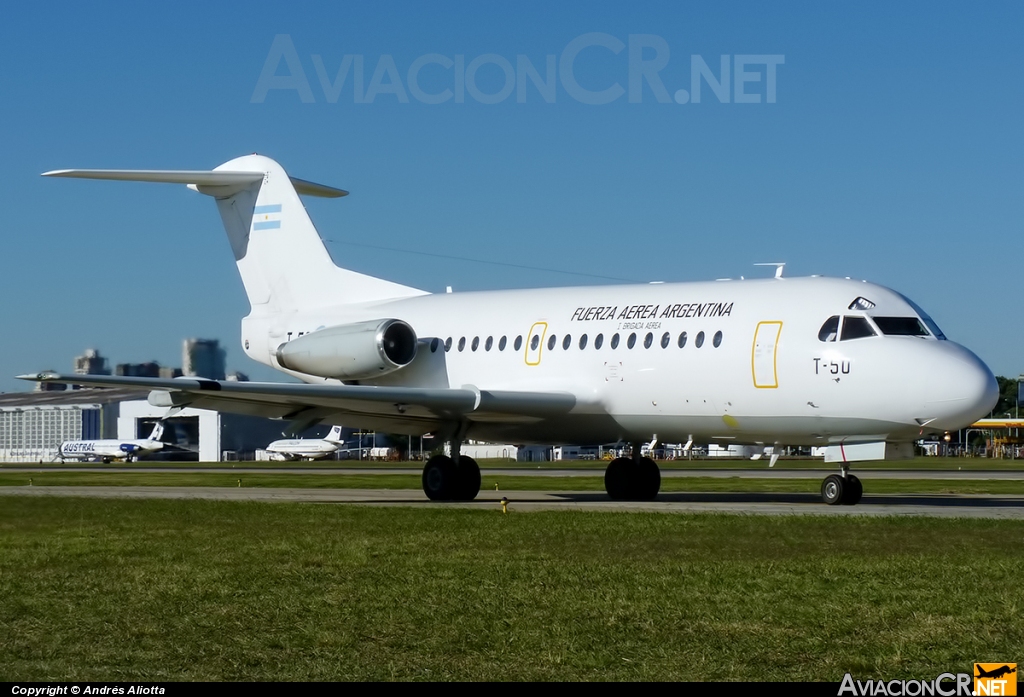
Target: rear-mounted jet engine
351, 351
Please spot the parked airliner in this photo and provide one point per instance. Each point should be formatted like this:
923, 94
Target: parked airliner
841, 363
306, 448
110, 449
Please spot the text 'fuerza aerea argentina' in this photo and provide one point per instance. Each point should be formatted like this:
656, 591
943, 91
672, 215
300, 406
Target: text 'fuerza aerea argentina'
677, 311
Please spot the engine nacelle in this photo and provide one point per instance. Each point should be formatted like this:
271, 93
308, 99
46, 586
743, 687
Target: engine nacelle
351, 351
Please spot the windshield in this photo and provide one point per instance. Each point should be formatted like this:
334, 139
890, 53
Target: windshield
901, 326
928, 321
856, 328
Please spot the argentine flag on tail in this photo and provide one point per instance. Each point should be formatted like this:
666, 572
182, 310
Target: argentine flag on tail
267, 217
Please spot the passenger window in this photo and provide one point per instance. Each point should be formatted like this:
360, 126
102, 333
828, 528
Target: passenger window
648, 340
598, 341
583, 342
830, 330
631, 341
476, 343
717, 341
615, 341
856, 328
519, 342
699, 341
448, 344
682, 340
462, 343
666, 339
434, 343
501, 344
534, 342
551, 342
566, 342
489, 344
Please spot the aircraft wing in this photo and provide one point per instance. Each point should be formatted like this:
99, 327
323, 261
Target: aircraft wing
417, 408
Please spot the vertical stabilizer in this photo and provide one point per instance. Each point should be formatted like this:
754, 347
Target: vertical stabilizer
335, 435
281, 257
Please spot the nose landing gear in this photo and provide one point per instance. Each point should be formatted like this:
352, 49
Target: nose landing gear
841, 489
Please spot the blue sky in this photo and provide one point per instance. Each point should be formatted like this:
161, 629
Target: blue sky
892, 152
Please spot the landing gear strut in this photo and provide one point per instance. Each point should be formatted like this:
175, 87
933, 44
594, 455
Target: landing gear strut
841, 489
632, 478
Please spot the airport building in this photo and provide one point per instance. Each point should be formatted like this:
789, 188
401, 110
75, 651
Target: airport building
34, 424
204, 358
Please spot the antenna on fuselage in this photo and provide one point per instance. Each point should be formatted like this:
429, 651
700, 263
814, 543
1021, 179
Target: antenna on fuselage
779, 266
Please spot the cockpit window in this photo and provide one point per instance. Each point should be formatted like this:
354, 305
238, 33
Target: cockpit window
901, 326
861, 304
830, 330
856, 328
928, 321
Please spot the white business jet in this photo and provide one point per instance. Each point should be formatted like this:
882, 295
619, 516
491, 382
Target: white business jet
110, 449
845, 364
306, 448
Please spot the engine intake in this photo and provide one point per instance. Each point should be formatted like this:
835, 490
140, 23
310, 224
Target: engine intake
351, 351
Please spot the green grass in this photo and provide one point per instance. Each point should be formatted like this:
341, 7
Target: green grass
488, 481
196, 590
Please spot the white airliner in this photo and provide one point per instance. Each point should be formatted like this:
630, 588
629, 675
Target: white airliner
306, 448
778, 361
110, 449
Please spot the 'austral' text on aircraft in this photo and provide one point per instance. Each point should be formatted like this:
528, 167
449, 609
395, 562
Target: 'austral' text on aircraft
110, 449
812, 361
306, 448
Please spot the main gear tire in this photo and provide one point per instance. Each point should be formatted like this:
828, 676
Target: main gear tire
468, 478
853, 491
833, 489
441, 478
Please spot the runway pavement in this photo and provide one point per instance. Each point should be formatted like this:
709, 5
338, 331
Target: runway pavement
931, 505
978, 475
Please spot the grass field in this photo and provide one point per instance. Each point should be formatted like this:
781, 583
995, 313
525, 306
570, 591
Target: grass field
488, 482
190, 590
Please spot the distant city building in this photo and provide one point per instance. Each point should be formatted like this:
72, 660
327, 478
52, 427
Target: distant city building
170, 373
203, 358
237, 376
91, 363
138, 370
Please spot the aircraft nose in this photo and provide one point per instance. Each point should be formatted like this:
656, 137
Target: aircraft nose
969, 390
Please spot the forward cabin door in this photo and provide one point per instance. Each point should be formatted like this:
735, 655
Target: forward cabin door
764, 354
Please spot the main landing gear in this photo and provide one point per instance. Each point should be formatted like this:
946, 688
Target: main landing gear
632, 478
841, 489
444, 480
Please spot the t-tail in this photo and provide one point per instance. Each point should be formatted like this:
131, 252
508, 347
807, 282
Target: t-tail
284, 264
335, 435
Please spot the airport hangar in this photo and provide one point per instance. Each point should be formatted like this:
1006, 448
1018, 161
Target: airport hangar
34, 424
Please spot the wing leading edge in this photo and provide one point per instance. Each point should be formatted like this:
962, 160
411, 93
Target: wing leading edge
419, 406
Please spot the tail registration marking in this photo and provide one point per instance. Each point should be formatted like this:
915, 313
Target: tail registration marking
763, 359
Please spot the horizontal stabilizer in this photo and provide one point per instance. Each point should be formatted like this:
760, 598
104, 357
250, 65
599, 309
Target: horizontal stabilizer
196, 178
